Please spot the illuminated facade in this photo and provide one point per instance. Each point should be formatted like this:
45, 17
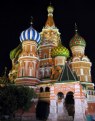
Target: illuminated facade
40, 61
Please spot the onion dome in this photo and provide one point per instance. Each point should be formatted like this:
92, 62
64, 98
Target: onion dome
77, 40
30, 34
85, 58
60, 50
15, 52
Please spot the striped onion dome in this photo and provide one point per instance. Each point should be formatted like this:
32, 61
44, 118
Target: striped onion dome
60, 50
30, 34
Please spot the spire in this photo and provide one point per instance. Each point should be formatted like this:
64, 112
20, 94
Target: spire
50, 21
50, 2
31, 22
5, 79
76, 28
5, 72
50, 10
77, 40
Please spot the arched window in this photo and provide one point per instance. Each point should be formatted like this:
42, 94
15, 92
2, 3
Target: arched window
41, 89
46, 72
69, 98
47, 89
22, 72
60, 95
45, 55
41, 72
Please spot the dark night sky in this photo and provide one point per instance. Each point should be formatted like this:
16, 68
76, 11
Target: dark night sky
15, 17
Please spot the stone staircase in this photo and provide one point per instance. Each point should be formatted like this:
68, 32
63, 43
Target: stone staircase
64, 116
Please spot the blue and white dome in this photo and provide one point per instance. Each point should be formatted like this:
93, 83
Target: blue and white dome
30, 34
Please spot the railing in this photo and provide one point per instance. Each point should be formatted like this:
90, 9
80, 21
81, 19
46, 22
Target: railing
44, 95
91, 95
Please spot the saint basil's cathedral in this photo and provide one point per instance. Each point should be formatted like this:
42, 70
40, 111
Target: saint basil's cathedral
41, 62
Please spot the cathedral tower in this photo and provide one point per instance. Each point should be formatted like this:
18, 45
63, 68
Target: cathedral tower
50, 38
80, 63
60, 55
28, 59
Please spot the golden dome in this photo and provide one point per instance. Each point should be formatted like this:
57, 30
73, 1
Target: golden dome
50, 9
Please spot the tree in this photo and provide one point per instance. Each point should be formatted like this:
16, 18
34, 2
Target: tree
24, 95
8, 103
13, 97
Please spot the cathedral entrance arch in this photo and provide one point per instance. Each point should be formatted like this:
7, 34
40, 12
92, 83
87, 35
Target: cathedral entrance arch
70, 103
42, 110
60, 101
